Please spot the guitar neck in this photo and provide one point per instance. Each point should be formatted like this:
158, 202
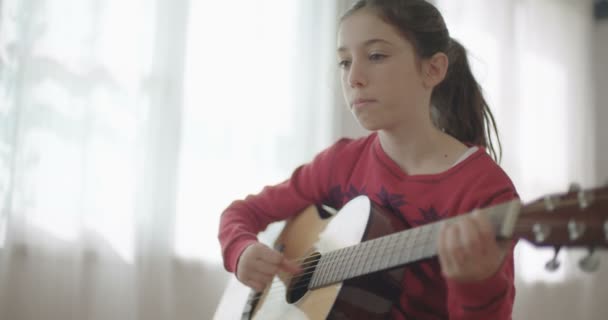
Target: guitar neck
375, 255
399, 248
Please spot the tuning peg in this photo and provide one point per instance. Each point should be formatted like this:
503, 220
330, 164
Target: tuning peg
541, 232
576, 229
551, 202
553, 264
590, 263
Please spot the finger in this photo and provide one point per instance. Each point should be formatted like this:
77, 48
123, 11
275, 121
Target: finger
455, 250
266, 267
271, 256
262, 278
487, 233
258, 287
485, 226
290, 266
244, 262
244, 271
471, 237
442, 251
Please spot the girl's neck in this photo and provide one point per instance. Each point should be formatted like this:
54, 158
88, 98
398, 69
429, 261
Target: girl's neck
421, 150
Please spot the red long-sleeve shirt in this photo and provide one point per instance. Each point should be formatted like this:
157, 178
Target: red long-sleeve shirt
353, 167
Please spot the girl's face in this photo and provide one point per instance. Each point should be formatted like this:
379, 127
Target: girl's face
382, 81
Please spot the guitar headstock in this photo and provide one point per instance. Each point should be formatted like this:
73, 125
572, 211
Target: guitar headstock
578, 218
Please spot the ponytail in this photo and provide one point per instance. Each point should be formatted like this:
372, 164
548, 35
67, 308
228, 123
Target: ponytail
458, 105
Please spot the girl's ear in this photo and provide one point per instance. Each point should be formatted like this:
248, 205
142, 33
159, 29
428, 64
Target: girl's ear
434, 69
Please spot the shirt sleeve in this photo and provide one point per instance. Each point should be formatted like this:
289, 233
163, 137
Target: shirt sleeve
244, 219
491, 298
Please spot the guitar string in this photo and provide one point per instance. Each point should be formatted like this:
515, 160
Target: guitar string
533, 206
356, 255
308, 266
527, 224
273, 290
278, 283
521, 227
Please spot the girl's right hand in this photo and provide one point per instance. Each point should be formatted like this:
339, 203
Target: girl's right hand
259, 264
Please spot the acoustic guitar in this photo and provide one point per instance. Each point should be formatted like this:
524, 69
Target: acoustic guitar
352, 259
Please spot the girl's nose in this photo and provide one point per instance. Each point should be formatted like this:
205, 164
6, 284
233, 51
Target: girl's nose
356, 77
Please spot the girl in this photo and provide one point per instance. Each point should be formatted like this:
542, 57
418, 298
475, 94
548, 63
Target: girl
408, 82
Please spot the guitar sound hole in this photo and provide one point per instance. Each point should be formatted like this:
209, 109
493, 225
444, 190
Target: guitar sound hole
299, 284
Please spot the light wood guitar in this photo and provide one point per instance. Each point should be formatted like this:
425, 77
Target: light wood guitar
353, 260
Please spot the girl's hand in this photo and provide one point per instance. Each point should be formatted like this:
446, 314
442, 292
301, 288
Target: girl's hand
258, 264
468, 250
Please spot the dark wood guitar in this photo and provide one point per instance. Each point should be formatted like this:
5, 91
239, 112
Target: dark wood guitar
353, 259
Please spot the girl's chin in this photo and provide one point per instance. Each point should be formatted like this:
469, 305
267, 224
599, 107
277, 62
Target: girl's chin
368, 120
369, 125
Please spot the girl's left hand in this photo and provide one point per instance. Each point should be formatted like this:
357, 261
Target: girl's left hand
468, 250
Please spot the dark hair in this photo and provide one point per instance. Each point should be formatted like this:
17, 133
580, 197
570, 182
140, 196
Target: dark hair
458, 105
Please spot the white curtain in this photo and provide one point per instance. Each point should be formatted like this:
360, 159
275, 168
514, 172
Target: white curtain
125, 128
533, 59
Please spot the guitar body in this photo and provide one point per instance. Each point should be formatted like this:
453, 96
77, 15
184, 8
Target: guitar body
368, 246
366, 297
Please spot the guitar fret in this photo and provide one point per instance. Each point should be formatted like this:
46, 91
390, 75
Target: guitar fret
370, 250
320, 272
357, 261
365, 253
360, 261
434, 236
338, 266
394, 250
384, 254
419, 251
425, 245
399, 250
373, 255
332, 268
349, 259
345, 262
411, 245
335, 267
377, 254
327, 267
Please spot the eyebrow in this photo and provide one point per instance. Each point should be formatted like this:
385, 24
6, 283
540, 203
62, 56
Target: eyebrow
368, 43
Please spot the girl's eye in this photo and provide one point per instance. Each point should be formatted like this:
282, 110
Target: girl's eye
377, 57
344, 64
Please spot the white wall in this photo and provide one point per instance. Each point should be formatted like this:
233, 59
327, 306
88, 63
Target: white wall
600, 56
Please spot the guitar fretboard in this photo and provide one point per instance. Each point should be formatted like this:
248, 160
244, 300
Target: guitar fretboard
378, 254
397, 249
